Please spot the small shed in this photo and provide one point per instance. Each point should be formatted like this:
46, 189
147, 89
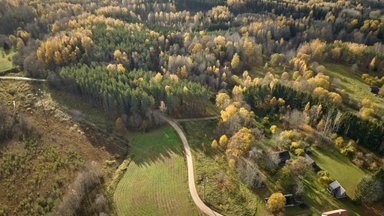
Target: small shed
312, 162
338, 212
375, 89
283, 157
336, 190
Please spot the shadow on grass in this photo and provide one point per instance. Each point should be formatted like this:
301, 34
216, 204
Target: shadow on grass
330, 152
158, 144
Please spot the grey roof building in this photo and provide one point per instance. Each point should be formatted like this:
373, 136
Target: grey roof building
337, 190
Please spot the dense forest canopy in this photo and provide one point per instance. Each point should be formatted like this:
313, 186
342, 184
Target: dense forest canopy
276, 70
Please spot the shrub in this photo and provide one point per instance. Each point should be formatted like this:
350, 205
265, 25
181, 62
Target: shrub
339, 142
325, 180
299, 152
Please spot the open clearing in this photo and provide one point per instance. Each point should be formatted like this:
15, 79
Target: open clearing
340, 168
155, 182
6, 60
351, 83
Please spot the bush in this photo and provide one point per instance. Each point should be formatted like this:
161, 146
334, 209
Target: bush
299, 152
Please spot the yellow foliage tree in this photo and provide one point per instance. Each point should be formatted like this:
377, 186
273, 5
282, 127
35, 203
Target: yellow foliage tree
276, 202
223, 141
273, 129
158, 77
232, 164
120, 68
240, 142
235, 62
339, 142
214, 145
184, 71
222, 100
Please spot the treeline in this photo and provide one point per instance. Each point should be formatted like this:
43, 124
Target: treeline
133, 95
367, 133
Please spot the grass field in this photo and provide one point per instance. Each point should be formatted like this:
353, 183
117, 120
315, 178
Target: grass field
352, 84
6, 60
155, 182
230, 196
317, 198
340, 168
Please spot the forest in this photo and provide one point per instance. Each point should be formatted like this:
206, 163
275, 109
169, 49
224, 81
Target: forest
301, 78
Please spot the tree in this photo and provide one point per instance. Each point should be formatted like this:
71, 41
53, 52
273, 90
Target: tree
120, 68
235, 62
232, 163
220, 14
214, 145
370, 189
119, 125
339, 142
299, 167
372, 65
223, 141
276, 202
277, 59
249, 173
273, 129
240, 143
222, 100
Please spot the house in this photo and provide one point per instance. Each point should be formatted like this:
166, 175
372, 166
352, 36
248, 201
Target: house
375, 89
336, 190
283, 156
312, 162
338, 212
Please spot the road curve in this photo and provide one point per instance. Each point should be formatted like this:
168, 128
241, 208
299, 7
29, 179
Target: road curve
191, 178
22, 79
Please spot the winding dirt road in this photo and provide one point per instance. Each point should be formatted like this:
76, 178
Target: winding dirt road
191, 178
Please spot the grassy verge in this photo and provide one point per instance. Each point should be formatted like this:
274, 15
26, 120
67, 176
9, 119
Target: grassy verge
155, 182
6, 60
224, 191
